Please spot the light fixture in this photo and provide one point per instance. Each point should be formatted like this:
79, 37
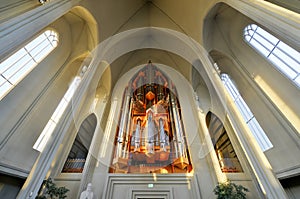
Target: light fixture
43, 1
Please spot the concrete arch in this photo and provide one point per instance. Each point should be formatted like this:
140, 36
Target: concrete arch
89, 24
87, 129
155, 38
184, 46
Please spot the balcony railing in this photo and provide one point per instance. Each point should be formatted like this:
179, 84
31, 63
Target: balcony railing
74, 166
230, 165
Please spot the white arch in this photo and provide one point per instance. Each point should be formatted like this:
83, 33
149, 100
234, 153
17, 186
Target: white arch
184, 46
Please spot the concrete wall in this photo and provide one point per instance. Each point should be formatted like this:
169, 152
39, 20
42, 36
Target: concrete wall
235, 57
27, 108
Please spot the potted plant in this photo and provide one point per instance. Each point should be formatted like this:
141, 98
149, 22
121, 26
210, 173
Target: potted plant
49, 190
229, 190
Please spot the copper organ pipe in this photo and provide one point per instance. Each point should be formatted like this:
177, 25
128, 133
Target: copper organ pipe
128, 130
150, 117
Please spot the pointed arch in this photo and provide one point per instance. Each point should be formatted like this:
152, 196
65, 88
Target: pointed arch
225, 152
150, 137
78, 154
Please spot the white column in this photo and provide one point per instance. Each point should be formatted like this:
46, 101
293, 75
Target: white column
91, 159
44, 160
269, 183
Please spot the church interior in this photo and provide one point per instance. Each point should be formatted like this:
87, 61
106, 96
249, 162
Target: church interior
149, 98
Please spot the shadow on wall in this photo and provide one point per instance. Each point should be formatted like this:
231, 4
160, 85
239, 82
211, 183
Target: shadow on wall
10, 186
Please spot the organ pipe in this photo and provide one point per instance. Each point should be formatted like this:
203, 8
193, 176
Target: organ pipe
174, 140
163, 138
137, 136
149, 134
178, 128
123, 122
128, 129
150, 117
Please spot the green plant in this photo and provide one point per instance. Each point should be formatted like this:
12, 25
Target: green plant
229, 190
50, 190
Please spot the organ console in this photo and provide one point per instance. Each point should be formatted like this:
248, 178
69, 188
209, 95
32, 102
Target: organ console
150, 136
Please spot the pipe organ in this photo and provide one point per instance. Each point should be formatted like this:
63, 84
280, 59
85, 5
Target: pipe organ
150, 137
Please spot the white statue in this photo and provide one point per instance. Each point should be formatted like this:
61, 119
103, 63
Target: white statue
88, 193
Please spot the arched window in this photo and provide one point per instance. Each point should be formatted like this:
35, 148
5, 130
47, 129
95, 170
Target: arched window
49, 128
18, 65
283, 57
248, 116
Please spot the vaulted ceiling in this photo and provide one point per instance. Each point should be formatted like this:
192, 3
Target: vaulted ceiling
201, 20
113, 17
116, 16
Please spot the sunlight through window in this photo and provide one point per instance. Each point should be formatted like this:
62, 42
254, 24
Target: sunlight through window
18, 65
49, 128
248, 116
283, 57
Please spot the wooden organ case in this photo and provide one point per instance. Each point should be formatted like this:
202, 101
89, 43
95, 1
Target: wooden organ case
150, 136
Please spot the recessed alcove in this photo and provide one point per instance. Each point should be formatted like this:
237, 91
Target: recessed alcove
150, 135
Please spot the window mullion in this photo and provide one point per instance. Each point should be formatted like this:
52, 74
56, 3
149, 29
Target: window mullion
18, 65
286, 59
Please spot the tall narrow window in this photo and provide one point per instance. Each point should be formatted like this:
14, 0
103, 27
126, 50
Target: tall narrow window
248, 116
283, 57
49, 128
18, 65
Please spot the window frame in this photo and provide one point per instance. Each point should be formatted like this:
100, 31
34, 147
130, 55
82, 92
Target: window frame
249, 118
22, 62
277, 48
48, 130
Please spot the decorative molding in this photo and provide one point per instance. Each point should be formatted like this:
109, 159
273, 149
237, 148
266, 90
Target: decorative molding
14, 5
153, 193
68, 177
162, 184
289, 172
13, 171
